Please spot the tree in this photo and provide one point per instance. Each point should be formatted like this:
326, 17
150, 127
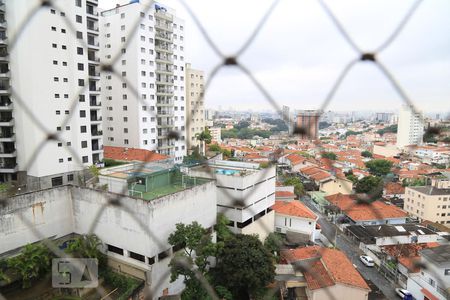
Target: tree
379, 167
87, 246
241, 125
95, 171
33, 261
329, 155
366, 153
244, 266
371, 185
299, 189
273, 243
198, 247
392, 129
204, 136
414, 182
352, 178
215, 148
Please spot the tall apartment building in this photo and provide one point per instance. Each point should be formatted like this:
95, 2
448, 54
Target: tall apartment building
308, 124
430, 202
152, 63
195, 109
410, 127
50, 69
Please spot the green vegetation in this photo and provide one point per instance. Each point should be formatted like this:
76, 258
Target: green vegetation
112, 163
87, 246
351, 132
370, 185
273, 243
298, 185
245, 133
379, 167
204, 136
414, 182
125, 285
329, 155
229, 279
216, 148
33, 261
366, 153
255, 270
388, 129
279, 124
193, 158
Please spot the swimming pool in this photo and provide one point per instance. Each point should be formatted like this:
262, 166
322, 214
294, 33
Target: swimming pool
227, 172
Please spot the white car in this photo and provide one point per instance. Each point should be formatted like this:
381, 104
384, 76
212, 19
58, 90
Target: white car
402, 293
367, 260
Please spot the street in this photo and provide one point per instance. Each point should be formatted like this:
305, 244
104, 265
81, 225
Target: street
329, 230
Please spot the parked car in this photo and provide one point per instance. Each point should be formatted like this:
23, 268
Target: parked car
404, 294
367, 260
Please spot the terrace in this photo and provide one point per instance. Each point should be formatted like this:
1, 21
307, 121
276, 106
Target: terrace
148, 181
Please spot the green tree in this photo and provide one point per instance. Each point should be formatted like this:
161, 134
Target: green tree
204, 136
329, 155
3, 268
299, 189
87, 246
215, 148
221, 227
241, 125
379, 167
392, 129
33, 261
197, 247
370, 185
366, 153
95, 171
273, 243
414, 182
244, 266
352, 178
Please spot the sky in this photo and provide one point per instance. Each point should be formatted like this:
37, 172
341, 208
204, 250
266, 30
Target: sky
298, 54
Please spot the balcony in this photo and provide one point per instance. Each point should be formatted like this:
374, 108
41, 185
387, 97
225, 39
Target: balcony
91, 12
2, 24
6, 121
97, 133
8, 168
164, 103
161, 91
94, 90
164, 82
4, 55
163, 37
94, 75
165, 113
95, 118
8, 154
6, 106
165, 27
94, 45
164, 59
96, 147
164, 71
93, 59
160, 48
92, 29
95, 103
160, 14
7, 137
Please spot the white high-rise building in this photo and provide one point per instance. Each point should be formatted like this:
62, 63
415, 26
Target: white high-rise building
151, 63
195, 108
50, 69
410, 127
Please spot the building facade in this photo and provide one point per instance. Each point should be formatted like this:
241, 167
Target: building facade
308, 124
410, 127
245, 194
195, 108
65, 73
144, 105
430, 203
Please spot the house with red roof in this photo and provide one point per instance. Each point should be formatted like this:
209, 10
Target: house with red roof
361, 211
294, 216
393, 190
326, 274
284, 193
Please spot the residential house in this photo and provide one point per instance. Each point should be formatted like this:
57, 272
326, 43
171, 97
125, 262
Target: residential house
328, 274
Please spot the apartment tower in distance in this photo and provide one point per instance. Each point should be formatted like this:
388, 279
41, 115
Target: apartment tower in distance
195, 108
50, 69
308, 124
410, 127
151, 64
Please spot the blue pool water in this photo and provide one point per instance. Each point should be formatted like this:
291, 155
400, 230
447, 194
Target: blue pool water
226, 172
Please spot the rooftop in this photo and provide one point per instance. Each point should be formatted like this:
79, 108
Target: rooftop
293, 208
132, 154
329, 267
430, 190
368, 233
438, 255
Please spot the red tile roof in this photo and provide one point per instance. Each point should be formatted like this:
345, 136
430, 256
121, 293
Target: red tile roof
320, 176
284, 194
328, 267
295, 159
357, 211
131, 154
293, 208
392, 188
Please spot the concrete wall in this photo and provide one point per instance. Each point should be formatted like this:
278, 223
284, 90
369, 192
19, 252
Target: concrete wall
339, 292
387, 150
289, 223
337, 185
406, 239
60, 211
262, 227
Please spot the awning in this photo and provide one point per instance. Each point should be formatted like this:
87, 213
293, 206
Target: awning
428, 294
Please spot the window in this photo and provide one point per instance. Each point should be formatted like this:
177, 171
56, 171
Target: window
83, 129
53, 28
70, 176
54, 45
78, 3
122, 16
56, 181
79, 35
80, 82
81, 98
82, 114
79, 51
83, 144
80, 67
78, 19
52, 11
125, 141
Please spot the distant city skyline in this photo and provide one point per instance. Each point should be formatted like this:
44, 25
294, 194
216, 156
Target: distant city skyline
299, 72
